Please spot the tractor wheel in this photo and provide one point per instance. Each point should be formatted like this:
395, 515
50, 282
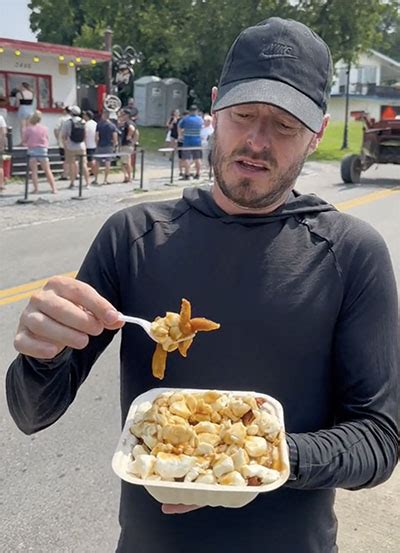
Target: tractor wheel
350, 168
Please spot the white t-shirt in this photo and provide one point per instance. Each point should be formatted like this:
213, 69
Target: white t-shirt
205, 133
3, 126
90, 129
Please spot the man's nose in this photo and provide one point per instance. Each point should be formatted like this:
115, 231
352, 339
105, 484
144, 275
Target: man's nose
259, 136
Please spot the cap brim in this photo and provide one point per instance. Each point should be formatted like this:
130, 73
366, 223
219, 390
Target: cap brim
271, 92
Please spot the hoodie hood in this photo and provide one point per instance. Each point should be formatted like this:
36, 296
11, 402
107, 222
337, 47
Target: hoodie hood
297, 205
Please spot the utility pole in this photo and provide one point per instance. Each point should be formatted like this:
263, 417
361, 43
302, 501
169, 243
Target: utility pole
346, 114
108, 66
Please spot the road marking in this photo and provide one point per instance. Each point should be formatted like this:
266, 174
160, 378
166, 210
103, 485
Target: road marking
17, 293
23, 291
368, 198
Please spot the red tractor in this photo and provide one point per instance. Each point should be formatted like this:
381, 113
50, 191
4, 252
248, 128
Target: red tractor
381, 144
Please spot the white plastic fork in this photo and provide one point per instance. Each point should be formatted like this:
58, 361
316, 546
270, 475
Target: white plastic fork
146, 325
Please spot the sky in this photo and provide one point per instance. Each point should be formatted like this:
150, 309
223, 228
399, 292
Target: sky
16, 24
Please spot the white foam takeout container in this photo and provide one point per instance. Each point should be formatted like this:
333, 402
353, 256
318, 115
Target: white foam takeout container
191, 493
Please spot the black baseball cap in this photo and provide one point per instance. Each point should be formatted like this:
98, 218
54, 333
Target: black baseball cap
279, 62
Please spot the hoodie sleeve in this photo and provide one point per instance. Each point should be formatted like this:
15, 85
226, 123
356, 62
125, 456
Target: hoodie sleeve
39, 392
361, 450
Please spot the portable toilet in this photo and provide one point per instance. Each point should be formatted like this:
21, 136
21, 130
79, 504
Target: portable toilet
176, 95
150, 97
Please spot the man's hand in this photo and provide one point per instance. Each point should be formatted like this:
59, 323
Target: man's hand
63, 314
179, 509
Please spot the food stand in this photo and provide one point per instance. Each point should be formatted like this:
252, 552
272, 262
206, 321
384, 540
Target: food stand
51, 71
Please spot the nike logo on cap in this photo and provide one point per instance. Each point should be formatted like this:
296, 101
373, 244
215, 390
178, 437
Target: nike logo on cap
277, 50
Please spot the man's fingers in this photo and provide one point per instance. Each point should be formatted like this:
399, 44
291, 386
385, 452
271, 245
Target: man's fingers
83, 294
67, 313
52, 331
28, 344
179, 509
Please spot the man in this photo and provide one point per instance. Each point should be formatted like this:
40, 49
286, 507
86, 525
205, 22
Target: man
58, 133
127, 132
190, 130
207, 138
132, 109
107, 141
73, 136
3, 143
90, 137
305, 295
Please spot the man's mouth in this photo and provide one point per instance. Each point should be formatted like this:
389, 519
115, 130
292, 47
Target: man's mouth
247, 166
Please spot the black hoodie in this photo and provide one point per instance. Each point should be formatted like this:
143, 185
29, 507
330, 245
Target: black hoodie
307, 303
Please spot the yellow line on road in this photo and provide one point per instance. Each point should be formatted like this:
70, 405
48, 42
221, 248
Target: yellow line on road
17, 293
11, 295
367, 199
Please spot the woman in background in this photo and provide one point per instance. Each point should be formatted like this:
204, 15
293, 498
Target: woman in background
24, 103
36, 139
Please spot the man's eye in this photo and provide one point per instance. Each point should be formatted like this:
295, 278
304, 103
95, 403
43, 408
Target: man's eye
241, 114
287, 127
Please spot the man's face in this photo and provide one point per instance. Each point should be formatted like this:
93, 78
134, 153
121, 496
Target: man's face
259, 151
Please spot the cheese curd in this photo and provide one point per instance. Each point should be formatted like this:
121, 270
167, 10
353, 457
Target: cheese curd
206, 437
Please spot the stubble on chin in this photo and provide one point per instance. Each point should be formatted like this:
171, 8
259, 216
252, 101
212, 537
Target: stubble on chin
244, 193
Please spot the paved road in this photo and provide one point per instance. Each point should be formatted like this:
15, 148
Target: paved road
57, 491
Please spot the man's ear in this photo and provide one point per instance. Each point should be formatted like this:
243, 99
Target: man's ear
214, 93
316, 139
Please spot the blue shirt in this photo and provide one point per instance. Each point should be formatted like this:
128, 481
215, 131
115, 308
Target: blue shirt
192, 125
106, 129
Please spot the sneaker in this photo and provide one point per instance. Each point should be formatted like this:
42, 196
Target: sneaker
95, 183
196, 177
71, 186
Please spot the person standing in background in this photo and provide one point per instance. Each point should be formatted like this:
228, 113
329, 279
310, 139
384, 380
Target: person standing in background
172, 129
127, 142
206, 137
36, 139
3, 141
107, 141
24, 103
190, 129
90, 138
58, 134
3, 108
73, 135
179, 145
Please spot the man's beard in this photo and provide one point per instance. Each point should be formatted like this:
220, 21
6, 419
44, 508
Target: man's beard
243, 192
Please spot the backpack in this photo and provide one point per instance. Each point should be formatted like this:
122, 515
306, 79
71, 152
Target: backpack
77, 130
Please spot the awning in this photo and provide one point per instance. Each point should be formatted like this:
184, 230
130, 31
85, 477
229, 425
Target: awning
68, 54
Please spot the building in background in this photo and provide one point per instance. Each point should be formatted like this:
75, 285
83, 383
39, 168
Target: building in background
374, 87
50, 69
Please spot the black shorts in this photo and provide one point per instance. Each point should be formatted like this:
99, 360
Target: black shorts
192, 154
90, 153
61, 151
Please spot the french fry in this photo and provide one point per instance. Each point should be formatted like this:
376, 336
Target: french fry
170, 333
159, 362
185, 315
200, 323
184, 346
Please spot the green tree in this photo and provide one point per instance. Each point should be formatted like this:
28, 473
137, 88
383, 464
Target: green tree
58, 21
389, 42
349, 28
188, 39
